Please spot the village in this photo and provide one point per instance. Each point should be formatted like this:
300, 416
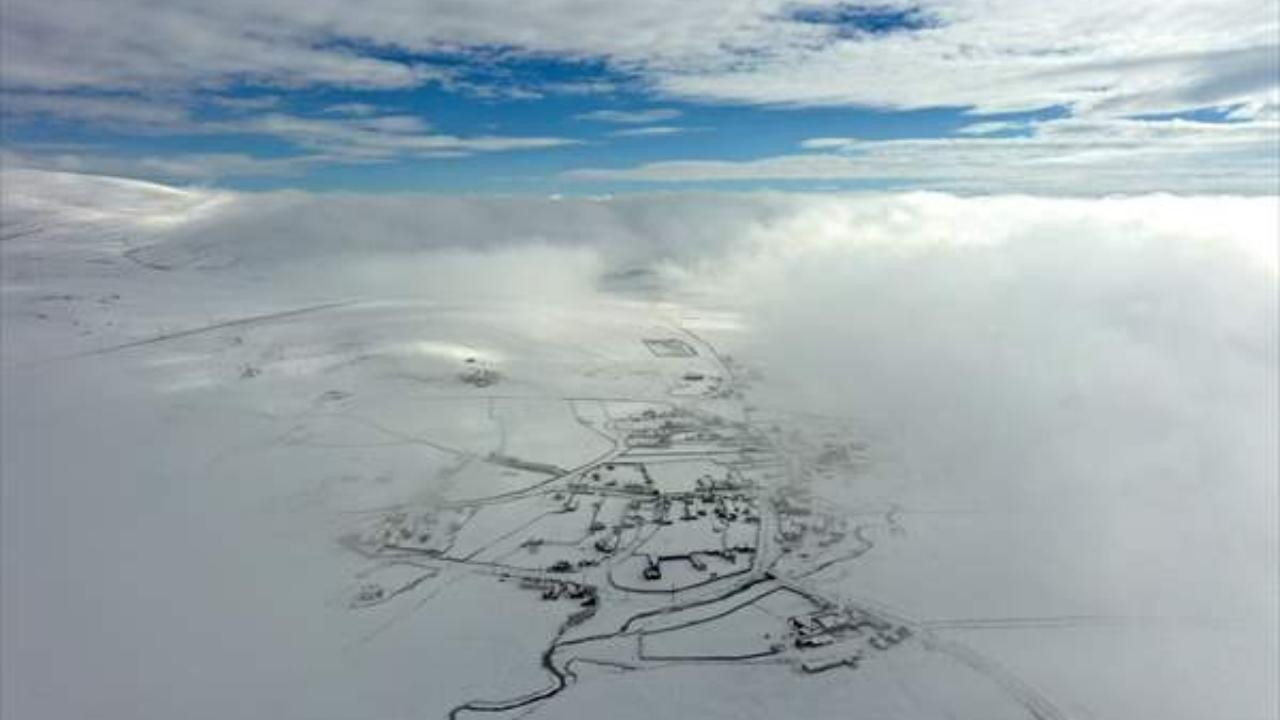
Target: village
659, 548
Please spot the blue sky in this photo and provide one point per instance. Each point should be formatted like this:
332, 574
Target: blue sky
963, 95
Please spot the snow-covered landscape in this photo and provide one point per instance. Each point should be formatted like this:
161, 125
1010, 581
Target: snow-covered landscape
295, 455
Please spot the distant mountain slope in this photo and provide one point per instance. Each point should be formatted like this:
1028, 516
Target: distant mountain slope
33, 199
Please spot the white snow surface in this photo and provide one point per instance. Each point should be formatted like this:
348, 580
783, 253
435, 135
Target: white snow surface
1069, 404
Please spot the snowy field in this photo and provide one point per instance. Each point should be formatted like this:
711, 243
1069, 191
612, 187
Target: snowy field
1040, 434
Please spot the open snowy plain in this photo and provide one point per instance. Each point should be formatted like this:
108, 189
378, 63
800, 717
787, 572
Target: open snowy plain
691, 456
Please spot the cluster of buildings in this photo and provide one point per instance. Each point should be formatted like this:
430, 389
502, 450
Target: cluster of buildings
478, 375
671, 428
551, 590
830, 625
428, 532
801, 527
555, 589
368, 594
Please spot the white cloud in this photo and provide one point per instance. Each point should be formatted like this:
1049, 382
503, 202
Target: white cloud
826, 143
138, 45
1141, 56
385, 136
631, 117
649, 131
1097, 60
353, 108
1062, 156
345, 135
582, 87
246, 104
177, 167
137, 113
991, 128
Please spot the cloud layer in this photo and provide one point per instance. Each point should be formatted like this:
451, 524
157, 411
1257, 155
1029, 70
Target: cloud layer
1068, 156
1116, 77
1008, 55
